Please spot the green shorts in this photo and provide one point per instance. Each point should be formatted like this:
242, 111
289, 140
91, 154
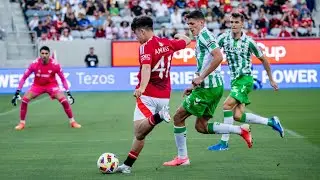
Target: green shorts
240, 88
202, 102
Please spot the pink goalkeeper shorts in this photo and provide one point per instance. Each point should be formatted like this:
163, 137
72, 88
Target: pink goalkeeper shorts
51, 89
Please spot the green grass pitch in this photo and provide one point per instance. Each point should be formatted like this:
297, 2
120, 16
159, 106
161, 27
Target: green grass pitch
49, 149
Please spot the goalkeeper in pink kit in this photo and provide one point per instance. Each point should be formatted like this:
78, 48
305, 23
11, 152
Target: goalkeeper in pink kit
45, 70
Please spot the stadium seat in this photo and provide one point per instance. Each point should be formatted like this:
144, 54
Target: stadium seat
275, 31
163, 19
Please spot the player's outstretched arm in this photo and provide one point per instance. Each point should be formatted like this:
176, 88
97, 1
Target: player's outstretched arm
145, 77
25, 77
63, 79
217, 59
267, 67
258, 53
65, 85
183, 37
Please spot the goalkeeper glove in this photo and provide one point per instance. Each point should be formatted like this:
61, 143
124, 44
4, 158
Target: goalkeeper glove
16, 97
70, 98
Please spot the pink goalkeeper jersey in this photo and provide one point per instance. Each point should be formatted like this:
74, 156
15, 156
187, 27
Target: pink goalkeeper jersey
44, 74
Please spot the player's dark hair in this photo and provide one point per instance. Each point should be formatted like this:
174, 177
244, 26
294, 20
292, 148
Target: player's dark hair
237, 15
196, 14
142, 22
46, 48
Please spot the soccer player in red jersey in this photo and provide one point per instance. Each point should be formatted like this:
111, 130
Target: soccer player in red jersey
45, 70
153, 91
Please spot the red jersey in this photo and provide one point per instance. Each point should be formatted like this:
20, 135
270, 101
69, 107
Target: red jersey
158, 53
44, 74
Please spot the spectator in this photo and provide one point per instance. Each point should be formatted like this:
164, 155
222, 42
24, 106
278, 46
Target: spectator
90, 8
163, 32
110, 29
251, 34
40, 29
126, 36
72, 21
100, 33
284, 33
261, 23
114, 11
148, 11
125, 12
84, 23
79, 9
97, 22
176, 17
160, 8
43, 37
309, 32
174, 32
180, 4
91, 59
295, 32
66, 36
34, 22
136, 9
191, 4
202, 3
53, 34
48, 21
124, 28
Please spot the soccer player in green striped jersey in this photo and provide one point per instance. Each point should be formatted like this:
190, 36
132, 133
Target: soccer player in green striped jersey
239, 47
201, 101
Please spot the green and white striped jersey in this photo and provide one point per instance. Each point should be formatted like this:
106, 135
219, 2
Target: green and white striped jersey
239, 53
206, 43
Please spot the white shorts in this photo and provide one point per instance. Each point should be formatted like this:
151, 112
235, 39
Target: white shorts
147, 106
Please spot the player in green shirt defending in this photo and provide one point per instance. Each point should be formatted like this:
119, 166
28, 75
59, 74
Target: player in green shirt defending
238, 48
201, 101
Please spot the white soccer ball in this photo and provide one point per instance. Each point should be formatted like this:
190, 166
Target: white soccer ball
108, 163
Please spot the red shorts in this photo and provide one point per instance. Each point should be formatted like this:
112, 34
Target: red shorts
51, 89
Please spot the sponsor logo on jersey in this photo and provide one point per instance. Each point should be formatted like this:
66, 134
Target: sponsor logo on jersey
145, 57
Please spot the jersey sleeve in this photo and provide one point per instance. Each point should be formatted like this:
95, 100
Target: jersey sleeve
26, 74
208, 40
61, 75
145, 54
255, 49
220, 39
178, 44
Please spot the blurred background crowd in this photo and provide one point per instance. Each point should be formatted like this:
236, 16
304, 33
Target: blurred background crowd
65, 20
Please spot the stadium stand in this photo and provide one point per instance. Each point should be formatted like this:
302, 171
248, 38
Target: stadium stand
65, 20
27, 24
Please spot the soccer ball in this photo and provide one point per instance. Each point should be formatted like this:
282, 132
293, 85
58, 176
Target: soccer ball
108, 163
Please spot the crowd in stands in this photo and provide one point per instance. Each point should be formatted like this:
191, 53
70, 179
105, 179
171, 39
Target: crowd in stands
65, 20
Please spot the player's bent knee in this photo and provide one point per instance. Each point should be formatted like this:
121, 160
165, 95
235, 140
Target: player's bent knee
25, 99
237, 117
201, 127
140, 136
227, 106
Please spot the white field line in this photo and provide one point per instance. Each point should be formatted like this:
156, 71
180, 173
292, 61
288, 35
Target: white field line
17, 108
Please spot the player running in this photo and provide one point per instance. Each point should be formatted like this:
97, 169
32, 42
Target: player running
153, 91
202, 100
238, 48
45, 70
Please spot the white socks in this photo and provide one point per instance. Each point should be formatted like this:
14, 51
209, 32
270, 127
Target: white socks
180, 134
